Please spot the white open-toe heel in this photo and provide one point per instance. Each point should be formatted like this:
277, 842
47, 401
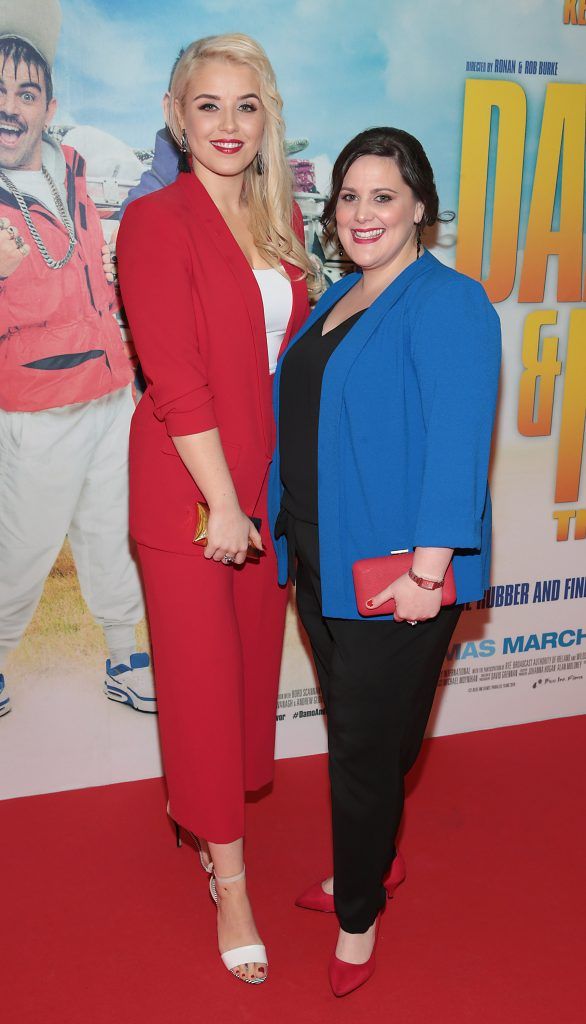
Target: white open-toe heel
209, 867
233, 958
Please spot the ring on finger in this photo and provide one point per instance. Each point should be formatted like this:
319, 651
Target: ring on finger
228, 559
11, 230
412, 622
19, 242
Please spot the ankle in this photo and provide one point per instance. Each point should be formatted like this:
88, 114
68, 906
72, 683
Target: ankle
355, 952
232, 895
226, 880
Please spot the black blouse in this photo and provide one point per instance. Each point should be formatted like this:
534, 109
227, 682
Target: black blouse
299, 399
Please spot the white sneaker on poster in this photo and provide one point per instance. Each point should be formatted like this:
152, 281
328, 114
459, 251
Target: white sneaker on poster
5, 705
132, 684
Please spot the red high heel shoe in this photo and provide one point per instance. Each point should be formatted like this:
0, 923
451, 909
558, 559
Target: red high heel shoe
345, 977
315, 898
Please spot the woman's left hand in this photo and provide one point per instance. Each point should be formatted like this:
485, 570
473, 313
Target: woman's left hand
412, 603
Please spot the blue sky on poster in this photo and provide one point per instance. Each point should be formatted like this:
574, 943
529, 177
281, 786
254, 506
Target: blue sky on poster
341, 65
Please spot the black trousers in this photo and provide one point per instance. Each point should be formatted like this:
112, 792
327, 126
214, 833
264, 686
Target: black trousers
378, 681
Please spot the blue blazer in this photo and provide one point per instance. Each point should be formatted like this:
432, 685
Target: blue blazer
407, 408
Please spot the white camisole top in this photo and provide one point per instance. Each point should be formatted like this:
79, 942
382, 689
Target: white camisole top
277, 300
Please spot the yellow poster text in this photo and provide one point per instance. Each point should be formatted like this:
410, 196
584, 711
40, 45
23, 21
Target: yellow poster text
560, 155
537, 389
574, 12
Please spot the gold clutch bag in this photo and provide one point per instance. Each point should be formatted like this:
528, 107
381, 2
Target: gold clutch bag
202, 515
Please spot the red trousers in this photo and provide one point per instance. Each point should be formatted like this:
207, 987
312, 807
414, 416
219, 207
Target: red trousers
217, 638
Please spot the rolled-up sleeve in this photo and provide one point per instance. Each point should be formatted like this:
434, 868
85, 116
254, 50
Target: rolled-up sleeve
456, 350
157, 291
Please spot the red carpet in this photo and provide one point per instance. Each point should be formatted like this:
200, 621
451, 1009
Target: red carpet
105, 922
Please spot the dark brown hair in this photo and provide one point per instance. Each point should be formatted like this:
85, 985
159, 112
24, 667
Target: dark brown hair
18, 50
409, 156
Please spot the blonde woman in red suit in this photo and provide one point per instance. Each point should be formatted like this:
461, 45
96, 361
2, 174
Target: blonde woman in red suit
214, 280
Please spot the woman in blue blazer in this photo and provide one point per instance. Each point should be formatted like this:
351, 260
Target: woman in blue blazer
385, 403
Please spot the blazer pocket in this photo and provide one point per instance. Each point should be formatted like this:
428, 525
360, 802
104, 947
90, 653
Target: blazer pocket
231, 451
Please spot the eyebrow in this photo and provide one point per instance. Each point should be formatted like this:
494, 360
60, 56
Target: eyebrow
209, 96
25, 85
383, 188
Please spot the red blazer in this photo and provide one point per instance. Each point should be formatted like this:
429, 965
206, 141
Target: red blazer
198, 325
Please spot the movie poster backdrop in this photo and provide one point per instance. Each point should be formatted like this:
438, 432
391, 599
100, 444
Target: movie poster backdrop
496, 94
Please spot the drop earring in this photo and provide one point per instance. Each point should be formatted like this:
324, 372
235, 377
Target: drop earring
183, 164
259, 164
418, 240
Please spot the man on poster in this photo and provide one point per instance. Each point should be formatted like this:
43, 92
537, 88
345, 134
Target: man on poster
65, 380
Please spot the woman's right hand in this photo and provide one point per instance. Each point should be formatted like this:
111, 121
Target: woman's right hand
230, 532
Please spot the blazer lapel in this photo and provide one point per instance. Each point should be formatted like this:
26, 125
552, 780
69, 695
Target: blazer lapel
327, 300
219, 232
299, 304
358, 335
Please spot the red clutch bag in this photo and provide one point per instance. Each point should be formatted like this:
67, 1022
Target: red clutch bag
371, 575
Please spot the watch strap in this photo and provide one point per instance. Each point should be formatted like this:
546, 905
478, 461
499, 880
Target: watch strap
423, 583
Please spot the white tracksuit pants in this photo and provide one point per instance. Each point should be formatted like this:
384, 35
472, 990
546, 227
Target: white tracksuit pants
65, 472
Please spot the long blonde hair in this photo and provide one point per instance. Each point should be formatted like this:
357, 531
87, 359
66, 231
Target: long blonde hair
269, 195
